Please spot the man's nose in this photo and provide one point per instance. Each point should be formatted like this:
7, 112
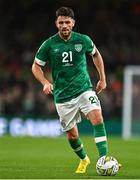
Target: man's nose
64, 25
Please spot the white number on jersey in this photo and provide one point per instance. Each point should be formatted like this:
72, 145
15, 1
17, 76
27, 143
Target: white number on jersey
67, 57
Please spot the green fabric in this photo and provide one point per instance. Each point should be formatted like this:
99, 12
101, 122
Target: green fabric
102, 148
76, 144
99, 131
68, 64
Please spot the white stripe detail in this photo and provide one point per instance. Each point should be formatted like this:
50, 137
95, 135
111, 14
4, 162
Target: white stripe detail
94, 50
40, 62
79, 148
100, 139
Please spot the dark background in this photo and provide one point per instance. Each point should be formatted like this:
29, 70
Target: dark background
114, 26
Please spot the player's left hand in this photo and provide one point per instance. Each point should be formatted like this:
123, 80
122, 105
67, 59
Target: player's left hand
101, 85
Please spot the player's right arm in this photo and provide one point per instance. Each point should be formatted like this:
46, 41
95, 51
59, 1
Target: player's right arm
39, 75
40, 60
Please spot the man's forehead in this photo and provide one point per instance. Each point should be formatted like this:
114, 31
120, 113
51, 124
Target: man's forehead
64, 18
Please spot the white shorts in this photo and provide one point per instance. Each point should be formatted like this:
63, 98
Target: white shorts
69, 112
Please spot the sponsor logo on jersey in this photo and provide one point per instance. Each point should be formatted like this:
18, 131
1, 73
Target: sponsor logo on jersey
78, 47
56, 50
67, 64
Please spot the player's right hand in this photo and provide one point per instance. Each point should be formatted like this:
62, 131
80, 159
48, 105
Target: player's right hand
48, 88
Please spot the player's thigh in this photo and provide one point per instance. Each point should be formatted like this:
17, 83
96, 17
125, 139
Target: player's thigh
88, 102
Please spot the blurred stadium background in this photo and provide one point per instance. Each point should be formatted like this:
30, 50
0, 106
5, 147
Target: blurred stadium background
114, 27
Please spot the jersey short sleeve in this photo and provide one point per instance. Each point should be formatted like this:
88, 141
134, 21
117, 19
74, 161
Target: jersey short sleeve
90, 47
41, 56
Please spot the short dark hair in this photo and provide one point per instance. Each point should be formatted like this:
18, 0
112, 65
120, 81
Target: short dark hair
65, 11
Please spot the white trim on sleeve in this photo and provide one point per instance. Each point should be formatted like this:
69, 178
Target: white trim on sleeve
94, 50
40, 62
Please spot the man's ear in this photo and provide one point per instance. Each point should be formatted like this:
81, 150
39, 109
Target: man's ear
56, 23
73, 22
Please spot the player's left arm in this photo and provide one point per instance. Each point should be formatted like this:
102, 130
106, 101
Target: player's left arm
99, 64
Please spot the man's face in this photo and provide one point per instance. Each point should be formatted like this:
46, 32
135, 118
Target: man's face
65, 25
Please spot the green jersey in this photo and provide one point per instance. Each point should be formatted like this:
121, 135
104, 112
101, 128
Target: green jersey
68, 64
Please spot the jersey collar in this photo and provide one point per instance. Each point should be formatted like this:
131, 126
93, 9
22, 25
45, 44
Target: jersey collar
70, 39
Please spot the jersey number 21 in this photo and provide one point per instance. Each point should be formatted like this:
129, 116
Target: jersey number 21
67, 57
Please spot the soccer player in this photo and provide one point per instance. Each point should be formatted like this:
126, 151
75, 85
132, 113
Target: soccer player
72, 88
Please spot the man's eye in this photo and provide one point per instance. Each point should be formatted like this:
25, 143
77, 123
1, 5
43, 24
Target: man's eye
67, 22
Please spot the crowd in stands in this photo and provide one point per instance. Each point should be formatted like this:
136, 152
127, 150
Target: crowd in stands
113, 25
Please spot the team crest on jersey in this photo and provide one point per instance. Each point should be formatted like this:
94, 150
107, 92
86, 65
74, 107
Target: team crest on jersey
78, 47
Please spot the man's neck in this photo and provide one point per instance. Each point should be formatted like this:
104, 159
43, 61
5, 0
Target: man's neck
65, 38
